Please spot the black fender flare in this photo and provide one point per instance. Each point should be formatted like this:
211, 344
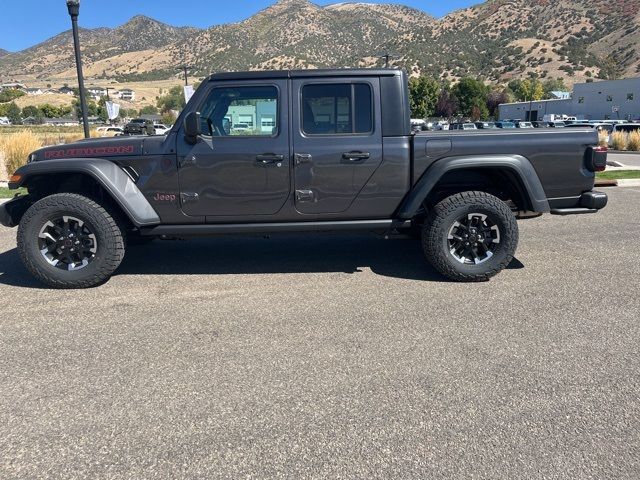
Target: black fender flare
516, 164
116, 182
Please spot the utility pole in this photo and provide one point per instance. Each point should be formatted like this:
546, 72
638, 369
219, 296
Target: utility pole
74, 10
185, 69
387, 56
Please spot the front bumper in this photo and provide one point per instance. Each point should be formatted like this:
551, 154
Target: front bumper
590, 202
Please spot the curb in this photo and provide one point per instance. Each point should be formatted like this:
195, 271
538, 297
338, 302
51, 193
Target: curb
629, 182
606, 183
624, 152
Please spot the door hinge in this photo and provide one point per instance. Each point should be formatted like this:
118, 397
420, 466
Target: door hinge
305, 196
188, 197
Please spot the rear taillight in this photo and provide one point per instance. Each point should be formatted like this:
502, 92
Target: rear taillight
598, 161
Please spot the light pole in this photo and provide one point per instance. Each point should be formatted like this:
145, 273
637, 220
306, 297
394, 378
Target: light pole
387, 56
185, 69
74, 10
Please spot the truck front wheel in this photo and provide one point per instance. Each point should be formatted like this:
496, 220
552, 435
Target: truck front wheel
69, 241
470, 236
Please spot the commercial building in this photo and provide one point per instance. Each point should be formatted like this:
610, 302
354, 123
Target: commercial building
599, 100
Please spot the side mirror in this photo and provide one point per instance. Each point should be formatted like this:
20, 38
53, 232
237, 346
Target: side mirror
192, 127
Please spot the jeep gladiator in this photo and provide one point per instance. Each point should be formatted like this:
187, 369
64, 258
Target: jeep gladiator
298, 151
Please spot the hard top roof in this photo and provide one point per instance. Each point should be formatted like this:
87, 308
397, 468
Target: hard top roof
334, 72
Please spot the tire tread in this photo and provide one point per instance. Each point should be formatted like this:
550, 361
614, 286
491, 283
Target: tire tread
434, 226
90, 208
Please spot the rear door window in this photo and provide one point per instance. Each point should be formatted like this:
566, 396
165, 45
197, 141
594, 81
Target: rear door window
337, 109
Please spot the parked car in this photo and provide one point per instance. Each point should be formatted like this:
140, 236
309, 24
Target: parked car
626, 127
239, 128
362, 170
556, 124
109, 131
462, 126
524, 124
161, 129
486, 125
505, 125
540, 124
139, 126
601, 128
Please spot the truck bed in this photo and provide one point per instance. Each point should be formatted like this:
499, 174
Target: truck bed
556, 155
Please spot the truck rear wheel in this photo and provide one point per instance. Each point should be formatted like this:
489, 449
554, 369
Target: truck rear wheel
470, 236
69, 241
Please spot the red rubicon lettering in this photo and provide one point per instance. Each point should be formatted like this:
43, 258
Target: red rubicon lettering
89, 151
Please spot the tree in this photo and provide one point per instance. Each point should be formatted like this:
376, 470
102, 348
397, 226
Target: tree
51, 111
14, 114
553, 85
472, 98
447, 104
149, 110
10, 95
174, 100
527, 90
34, 112
494, 99
423, 96
168, 118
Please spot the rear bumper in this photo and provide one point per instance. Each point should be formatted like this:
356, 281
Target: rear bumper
590, 202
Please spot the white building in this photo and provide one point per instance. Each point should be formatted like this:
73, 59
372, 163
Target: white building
13, 86
127, 95
600, 100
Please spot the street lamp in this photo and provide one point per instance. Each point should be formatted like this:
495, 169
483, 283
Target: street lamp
74, 9
387, 56
185, 69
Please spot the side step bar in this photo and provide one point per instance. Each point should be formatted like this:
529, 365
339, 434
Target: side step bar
264, 228
572, 211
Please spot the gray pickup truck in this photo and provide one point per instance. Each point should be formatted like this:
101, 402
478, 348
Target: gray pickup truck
298, 151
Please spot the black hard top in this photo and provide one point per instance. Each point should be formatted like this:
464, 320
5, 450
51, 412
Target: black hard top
334, 72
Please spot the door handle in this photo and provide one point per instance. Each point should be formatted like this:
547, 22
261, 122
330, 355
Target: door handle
355, 156
268, 158
303, 158
188, 160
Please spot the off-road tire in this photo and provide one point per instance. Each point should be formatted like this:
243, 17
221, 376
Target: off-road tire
110, 242
442, 217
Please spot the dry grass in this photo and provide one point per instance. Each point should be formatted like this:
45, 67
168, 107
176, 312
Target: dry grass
619, 140
603, 139
634, 141
16, 143
17, 147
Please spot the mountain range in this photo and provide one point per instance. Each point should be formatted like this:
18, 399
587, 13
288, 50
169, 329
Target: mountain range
495, 40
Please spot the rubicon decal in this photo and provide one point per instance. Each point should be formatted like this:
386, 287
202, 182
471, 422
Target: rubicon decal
89, 151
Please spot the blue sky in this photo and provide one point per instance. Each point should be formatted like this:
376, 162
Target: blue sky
28, 22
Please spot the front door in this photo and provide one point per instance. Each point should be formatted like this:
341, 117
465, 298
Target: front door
240, 164
337, 141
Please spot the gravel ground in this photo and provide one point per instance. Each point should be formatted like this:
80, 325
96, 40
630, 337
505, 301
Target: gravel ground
331, 357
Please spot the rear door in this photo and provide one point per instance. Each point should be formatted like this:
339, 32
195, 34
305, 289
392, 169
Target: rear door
337, 141
240, 164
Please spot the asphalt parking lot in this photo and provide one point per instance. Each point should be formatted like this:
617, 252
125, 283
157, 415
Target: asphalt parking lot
331, 357
627, 159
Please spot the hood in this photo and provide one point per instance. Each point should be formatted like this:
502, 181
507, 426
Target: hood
130, 146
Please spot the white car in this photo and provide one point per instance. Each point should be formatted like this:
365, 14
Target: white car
109, 131
161, 129
239, 128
